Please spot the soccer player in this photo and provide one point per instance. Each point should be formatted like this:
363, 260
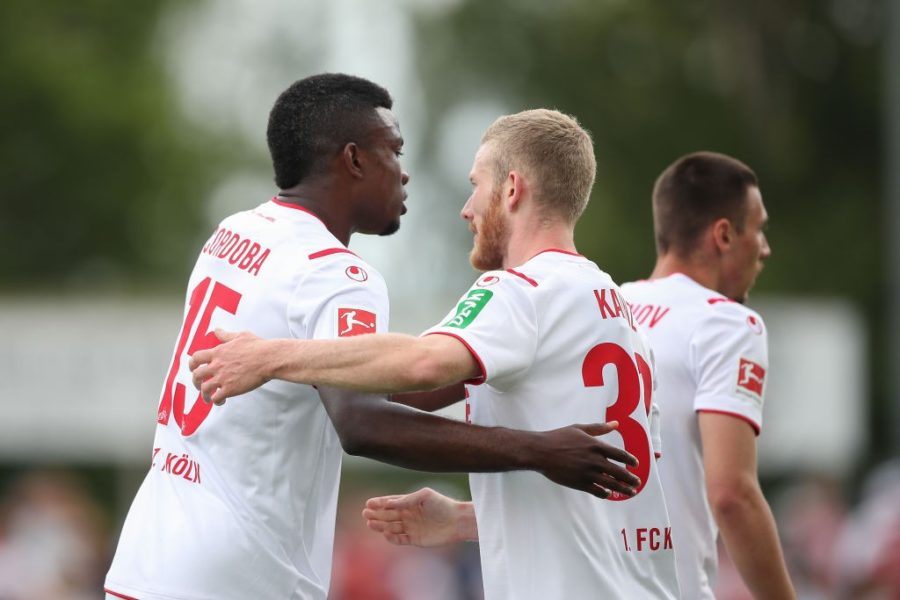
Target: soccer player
544, 338
239, 503
711, 363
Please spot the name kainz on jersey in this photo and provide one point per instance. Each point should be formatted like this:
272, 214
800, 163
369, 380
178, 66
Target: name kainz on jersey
612, 306
243, 253
647, 538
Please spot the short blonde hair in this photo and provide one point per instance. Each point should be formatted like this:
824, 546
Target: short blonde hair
554, 149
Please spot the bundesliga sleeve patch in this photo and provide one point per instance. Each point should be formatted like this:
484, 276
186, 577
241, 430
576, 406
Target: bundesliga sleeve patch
355, 321
751, 377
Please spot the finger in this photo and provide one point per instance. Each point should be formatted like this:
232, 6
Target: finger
200, 357
398, 540
199, 374
207, 387
376, 525
618, 474
219, 397
618, 455
381, 514
598, 491
225, 336
613, 485
596, 429
380, 501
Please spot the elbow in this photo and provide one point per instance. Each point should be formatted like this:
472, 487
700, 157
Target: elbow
733, 501
427, 372
354, 432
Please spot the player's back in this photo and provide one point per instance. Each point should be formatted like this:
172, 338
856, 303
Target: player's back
700, 341
240, 500
584, 364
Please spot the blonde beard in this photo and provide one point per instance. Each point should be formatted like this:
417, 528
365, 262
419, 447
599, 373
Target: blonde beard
493, 236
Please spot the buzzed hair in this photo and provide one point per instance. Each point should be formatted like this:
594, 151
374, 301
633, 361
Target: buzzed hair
695, 191
555, 149
316, 117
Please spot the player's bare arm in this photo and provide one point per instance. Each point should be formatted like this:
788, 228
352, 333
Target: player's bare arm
433, 399
423, 518
383, 363
373, 426
739, 507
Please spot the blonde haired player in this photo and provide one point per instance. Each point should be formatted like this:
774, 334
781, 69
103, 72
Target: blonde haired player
544, 337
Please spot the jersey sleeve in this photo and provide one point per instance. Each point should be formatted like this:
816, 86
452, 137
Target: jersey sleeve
729, 357
340, 297
496, 321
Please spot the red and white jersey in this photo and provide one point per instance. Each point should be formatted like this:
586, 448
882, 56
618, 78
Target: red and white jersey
710, 355
557, 346
240, 500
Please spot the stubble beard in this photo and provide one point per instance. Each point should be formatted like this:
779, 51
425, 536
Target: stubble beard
493, 236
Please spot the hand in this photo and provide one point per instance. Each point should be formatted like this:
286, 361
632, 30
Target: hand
232, 368
573, 457
424, 518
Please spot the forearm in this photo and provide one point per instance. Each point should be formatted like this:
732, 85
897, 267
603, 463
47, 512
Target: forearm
374, 427
386, 363
432, 400
751, 538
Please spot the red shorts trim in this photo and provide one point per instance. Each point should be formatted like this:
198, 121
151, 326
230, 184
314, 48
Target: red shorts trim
747, 420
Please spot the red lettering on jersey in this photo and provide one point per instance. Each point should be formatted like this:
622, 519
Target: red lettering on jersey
616, 305
355, 321
644, 312
254, 270
606, 310
751, 376
667, 539
251, 254
238, 252
641, 538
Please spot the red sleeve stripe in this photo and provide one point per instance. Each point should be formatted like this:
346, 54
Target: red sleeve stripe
476, 380
747, 420
328, 252
717, 300
523, 276
118, 595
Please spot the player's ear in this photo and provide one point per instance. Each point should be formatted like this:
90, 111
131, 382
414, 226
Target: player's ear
722, 234
513, 189
351, 159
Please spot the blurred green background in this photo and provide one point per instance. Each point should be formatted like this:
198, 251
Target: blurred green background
130, 129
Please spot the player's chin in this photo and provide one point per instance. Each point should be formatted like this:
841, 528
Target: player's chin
391, 228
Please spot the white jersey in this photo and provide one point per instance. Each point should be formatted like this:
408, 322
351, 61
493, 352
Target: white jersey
240, 500
711, 356
557, 346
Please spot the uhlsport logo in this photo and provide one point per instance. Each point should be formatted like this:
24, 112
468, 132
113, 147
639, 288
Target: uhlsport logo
468, 309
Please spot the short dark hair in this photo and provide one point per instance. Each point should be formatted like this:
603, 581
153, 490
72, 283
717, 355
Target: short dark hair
694, 192
317, 116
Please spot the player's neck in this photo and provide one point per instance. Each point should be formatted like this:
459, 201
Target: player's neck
311, 198
695, 268
524, 244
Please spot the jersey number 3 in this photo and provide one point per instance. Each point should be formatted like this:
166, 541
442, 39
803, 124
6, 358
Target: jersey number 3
172, 401
634, 375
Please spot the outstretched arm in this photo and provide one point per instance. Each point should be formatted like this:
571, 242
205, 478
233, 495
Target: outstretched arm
373, 426
424, 518
383, 363
739, 507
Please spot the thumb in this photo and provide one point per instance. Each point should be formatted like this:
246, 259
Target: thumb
596, 429
225, 336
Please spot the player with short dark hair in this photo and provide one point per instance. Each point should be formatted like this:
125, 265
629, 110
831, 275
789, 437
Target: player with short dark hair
239, 503
543, 338
711, 363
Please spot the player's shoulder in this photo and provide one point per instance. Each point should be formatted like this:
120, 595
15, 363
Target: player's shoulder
342, 263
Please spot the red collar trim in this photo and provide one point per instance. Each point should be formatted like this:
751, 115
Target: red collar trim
296, 207
569, 252
330, 251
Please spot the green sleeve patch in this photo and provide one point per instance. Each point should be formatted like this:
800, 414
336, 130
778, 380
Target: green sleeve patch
468, 308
